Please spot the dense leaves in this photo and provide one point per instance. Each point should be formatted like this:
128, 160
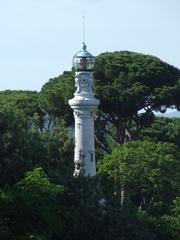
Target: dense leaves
27, 101
23, 146
172, 220
36, 209
30, 207
130, 86
163, 129
146, 173
55, 94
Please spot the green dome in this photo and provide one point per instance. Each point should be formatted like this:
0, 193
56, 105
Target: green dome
83, 52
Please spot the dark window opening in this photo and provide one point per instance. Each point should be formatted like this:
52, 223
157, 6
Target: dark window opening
92, 157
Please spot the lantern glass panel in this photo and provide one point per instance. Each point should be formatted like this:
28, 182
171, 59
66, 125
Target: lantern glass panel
83, 63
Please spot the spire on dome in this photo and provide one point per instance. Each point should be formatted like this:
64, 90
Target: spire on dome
84, 32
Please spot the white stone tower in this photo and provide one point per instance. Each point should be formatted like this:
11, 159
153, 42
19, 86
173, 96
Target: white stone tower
84, 105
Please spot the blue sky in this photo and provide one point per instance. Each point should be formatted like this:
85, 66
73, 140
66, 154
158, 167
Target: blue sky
39, 37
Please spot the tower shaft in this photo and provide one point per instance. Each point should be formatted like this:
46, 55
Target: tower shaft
84, 156
84, 105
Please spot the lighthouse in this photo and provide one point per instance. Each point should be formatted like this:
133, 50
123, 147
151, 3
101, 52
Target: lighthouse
84, 105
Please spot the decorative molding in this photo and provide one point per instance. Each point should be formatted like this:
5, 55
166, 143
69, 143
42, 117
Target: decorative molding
83, 83
84, 113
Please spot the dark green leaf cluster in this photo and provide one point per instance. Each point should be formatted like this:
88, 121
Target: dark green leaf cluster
131, 86
27, 101
24, 146
147, 175
29, 208
55, 94
163, 129
134, 81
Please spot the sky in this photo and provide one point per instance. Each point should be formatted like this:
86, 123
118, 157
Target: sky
38, 38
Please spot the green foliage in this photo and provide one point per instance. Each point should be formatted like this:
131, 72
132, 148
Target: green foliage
89, 215
146, 173
172, 220
55, 94
23, 147
127, 82
163, 129
31, 206
16, 144
136, 76
58, 146
27, 101
36, 209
